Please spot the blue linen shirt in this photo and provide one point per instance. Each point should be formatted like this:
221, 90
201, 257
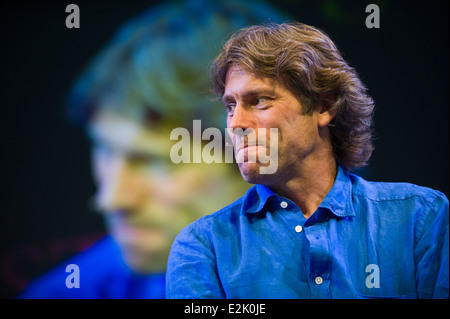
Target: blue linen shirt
365, 240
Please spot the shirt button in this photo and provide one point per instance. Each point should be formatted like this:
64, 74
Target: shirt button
284, 204
318, 280
298, 228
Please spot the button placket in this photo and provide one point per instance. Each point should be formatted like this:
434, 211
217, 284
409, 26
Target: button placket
319, 260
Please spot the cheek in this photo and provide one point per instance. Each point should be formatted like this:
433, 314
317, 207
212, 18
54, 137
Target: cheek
296, 134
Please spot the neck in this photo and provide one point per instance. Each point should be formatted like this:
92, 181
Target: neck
310, 185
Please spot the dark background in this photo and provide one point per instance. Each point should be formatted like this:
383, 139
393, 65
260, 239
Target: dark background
45, 163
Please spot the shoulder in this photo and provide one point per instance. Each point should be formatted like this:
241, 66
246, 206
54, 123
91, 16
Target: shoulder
423, 207
91, 267
384, 191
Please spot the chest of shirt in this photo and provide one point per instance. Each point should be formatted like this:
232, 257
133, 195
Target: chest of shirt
279, 254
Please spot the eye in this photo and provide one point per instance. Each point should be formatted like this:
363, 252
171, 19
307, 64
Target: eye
137, 159
260, 100
230, 108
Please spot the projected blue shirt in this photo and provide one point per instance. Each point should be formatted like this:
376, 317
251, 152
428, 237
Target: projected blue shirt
102, 275
365, 240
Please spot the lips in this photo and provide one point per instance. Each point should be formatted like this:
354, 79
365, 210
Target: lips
248, 153
247, 146
239, 145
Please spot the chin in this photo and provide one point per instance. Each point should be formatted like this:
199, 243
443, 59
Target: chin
144, 262
142, 257
251, 174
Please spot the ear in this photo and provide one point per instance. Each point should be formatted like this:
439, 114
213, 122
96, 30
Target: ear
326, 112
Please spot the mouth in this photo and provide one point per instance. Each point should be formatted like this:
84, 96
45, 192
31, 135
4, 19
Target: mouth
246, 145
249, 152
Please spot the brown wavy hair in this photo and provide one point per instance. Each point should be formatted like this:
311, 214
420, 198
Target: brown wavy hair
309, 64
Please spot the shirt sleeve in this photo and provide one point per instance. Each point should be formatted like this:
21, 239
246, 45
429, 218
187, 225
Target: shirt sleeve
432, 248
191, 269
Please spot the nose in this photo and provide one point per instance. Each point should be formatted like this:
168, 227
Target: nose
119, 187
241, 122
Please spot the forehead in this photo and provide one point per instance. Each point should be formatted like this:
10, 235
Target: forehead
238, 75
126, 135
240, 82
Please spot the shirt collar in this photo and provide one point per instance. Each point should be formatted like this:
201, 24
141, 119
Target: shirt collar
256, 198
338, 199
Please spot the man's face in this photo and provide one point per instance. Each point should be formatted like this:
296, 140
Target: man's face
255, 103
145, 199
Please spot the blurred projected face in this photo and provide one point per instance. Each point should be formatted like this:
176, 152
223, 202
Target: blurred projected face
145, 198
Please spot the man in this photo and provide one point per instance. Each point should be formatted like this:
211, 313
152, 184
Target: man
310, 229
149, 80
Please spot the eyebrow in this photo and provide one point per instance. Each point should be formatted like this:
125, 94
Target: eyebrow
250, 93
